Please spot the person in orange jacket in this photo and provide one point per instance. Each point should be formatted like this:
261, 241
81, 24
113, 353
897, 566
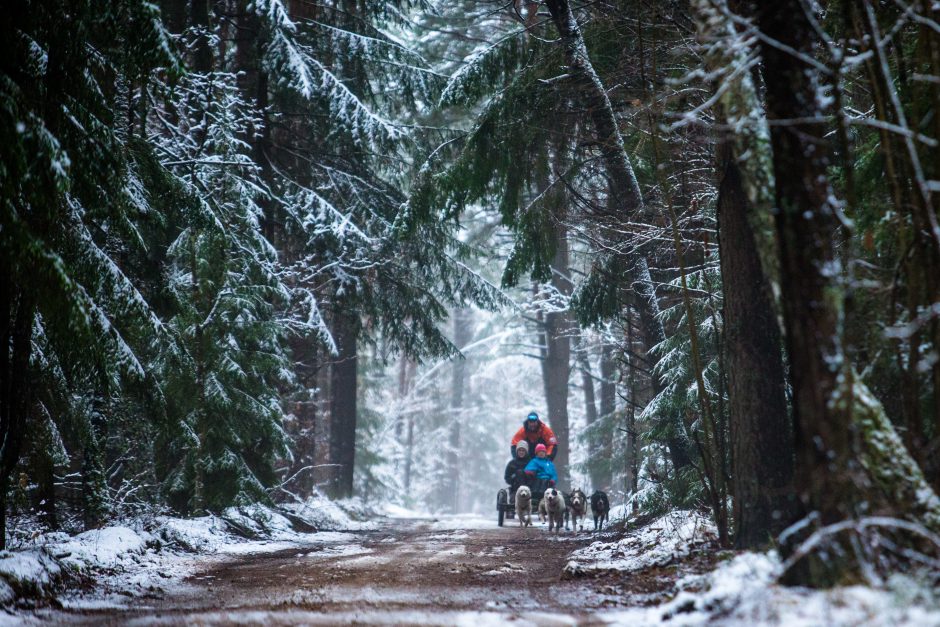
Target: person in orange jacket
534, 431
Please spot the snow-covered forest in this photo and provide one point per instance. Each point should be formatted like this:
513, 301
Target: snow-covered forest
273, 267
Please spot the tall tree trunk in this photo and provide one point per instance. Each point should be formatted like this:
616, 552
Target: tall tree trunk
343, 410
761, 434
557, 369
632, 457
199, 19
849, 460
595, 443
463, 335
18, 312
94, 486
323, 472
174, 14
608, 405
253, 82
557, 363
305, 357
587, 386
202, 62
625, 190
409, 452
44, 447
406, 420
652, 334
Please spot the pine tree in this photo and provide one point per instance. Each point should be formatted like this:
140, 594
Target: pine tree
224, 277
70, 214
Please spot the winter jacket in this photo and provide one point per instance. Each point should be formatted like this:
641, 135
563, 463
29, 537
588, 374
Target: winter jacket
542, 469
515, 465
542, 435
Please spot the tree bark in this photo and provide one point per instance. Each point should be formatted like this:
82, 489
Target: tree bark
557, 363
761, 434
253, 82
653, 333
595, 443
42, 467
607, 406
323, 472
305, 357
18, 311
343, 408
199, 18
849, 460
463, 335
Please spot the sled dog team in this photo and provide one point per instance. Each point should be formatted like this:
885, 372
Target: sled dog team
536, 475
557, 508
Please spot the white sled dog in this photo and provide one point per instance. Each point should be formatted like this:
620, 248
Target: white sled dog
577, 506
554, 503
524, 505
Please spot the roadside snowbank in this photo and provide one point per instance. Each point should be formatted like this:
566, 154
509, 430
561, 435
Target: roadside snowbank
143, 557
743, 592
671, 537
28, 573
343, 515
102, 549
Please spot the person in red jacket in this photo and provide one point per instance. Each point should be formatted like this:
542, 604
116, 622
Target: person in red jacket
534, 431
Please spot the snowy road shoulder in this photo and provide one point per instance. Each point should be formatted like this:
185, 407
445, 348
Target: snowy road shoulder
741, 588
668, 538
118, 565
743, 592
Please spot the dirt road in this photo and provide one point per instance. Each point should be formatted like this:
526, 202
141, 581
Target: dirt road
407, 572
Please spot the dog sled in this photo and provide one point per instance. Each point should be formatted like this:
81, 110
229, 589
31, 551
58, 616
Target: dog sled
505, 507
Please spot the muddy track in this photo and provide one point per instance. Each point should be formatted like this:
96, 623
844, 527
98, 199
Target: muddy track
407, 572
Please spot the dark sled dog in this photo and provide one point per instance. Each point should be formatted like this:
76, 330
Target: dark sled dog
600, 509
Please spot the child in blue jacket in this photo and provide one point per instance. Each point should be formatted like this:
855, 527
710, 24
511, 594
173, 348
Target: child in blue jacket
541, 467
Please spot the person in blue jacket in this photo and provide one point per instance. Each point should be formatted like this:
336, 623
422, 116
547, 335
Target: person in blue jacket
541, 470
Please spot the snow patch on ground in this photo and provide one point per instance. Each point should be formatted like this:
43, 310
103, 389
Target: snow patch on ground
671, 537
256, 547
323, 513
455, 535
367, 561
341, 550
100, 549
127, 562
198, 535
743, 592
330, 536
397, 511
443, 522
506, 568
32, 572
463, 521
